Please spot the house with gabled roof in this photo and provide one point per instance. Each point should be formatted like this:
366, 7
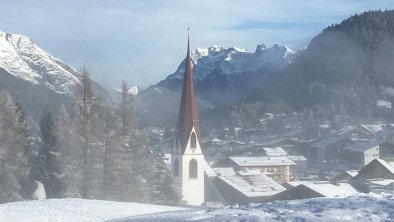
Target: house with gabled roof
246, 187
345, 176
360, 153
309, 189
377, 168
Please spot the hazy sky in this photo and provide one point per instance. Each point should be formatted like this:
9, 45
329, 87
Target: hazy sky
142, 41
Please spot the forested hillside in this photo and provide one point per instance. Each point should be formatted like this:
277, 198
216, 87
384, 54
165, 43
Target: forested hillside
345, 69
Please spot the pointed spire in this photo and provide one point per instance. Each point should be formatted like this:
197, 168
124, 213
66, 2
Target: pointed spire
188, 117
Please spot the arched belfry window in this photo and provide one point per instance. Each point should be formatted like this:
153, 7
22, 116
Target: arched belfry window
176, 168
193, 141
193, 169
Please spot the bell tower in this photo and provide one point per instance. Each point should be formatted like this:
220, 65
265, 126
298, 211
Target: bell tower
187, 158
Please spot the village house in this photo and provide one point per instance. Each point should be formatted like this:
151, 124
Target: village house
308, 189
377, 176
377, 168
345, 176
277, 167
327, 150
243, 187
360, 154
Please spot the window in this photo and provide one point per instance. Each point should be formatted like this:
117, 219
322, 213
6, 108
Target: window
193, 141
176, 168
193, 169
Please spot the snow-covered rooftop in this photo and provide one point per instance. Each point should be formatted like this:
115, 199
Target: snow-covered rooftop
328, 189
296, 158
250, 161
208, 170
373, 128
352, 173
386, 165
224, 171
274, 151
253, 185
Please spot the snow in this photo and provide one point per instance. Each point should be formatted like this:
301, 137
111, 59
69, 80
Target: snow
224, 171
382, 182
133, 90
274, 151
386, 165
253, 184
374, 128
328, 189
261, 161
352, 173
72, 210
39, 193
208, 169
355, 208
296, 158
363, 207
20, 57
234, 61
383, 103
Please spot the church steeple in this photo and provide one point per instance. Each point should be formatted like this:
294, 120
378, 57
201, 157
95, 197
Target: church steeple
187, 158
188, 117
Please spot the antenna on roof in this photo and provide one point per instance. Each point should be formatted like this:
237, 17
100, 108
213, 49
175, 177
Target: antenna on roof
188, 32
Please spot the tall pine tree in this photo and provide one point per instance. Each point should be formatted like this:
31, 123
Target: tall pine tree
13, 162
49, 169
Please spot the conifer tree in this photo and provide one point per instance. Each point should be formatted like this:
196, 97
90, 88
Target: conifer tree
86, 103
27, 149
163, 188
13, 165
49, 170
71, 153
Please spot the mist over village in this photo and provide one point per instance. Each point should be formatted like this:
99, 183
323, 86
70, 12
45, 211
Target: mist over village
196, 111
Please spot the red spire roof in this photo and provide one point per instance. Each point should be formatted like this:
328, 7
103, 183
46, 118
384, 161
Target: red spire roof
188, 116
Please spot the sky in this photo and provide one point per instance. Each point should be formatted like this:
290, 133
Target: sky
143, 41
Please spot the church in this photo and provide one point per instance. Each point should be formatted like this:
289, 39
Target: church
187, 158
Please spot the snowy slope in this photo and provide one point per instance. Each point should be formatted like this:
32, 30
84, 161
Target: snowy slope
74, 210
20, 57
357, 208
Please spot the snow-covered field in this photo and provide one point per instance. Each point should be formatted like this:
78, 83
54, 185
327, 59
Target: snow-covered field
74, 210
356, 208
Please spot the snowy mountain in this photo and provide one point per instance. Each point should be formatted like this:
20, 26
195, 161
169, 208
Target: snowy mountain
221, 75
34, 76
20, 57
369, 207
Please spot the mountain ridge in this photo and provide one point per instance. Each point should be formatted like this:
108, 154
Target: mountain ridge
37, 78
